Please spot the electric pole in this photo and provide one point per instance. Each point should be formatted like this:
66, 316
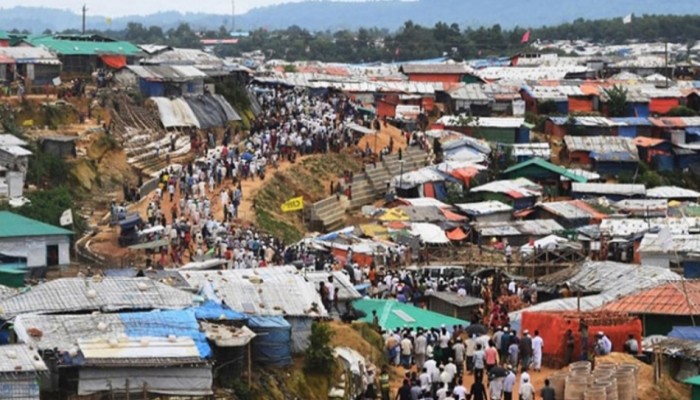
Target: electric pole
84, 12
233, 16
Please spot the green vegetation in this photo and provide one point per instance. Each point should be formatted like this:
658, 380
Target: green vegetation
413, 41
682, 111
48, 206
617, 101
47, 170
319, 355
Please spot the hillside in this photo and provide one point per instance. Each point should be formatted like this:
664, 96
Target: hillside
389, 14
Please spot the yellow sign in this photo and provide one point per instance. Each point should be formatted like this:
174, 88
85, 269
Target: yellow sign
294, 204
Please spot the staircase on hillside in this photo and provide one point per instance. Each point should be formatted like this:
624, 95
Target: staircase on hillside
329, 214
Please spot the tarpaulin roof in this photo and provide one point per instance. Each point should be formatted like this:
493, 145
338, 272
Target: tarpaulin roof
672, 298
395, 315
210, 111
68, 47
685, 332
394, 214
429, 233
452, 216
175, 113
456, 234
538, 162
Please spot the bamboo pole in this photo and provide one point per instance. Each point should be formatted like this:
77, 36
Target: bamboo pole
250, 368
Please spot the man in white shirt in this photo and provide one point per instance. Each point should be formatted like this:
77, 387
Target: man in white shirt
509, 384
425, 381
537, 346
420, 349
451, 369
460, 392
527, 391
406, 352
470, 346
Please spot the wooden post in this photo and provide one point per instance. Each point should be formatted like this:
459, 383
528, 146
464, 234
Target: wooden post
127, 390
145, 392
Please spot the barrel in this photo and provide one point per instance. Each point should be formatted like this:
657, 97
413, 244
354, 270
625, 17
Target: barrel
610, 385
595, 393
575, 387
626, 384
580, 366
558, 381
603, 373
633, 369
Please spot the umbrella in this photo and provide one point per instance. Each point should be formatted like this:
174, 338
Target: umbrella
247, 156
476, 329
497, 372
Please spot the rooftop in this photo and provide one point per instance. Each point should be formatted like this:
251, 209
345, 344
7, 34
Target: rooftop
435, 69
666, 299
95, 294
72, 46
264, 291
457, 300
14, 225
393, 314
538, 162
484, 207
20, 358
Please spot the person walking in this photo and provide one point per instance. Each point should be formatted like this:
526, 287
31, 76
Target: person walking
527, 391
509, 383
537, 346
478, 391
547, 392
479, 363
384, 383
525, 350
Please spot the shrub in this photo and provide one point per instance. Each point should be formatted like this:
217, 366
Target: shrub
319, 356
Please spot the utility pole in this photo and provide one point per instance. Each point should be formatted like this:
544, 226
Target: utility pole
666, 61
233, 16
84, 12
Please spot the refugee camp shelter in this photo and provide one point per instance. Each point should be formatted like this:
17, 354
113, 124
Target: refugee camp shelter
492, 129
163, 81
604, 154
396, 315
59, 145
32, 243
346, 290
265, 292
83, 54
20, 371
68, 295
486, 211
161, 352
454, 305
272, 344
667, 250
694, 383
600, 282
519, 193
612, 191
37, 65
517, 233
197, 111
13, 154
570, 214
662, 307
445, 73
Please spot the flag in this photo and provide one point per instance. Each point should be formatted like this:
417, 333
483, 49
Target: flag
627, 19
526, 37
294, 204
67, 218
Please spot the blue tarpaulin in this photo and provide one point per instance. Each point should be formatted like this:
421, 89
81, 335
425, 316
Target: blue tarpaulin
210, 310
165, 323
685, 332
274, 344
693, 130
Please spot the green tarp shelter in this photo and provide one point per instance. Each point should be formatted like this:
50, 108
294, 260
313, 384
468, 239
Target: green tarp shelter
393, 314
694, 382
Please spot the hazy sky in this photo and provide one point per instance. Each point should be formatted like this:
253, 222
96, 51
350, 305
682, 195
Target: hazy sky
116, 8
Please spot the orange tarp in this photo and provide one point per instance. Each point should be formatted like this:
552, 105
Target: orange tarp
456, 234
452, 216
643, 141
114, 61
465, 174
662, 105
580, 104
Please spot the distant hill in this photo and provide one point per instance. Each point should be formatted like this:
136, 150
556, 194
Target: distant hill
390, 14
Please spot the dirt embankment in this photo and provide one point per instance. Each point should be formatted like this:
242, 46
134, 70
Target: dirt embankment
310, 178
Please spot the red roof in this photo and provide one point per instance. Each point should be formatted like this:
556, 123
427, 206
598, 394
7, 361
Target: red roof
666, 299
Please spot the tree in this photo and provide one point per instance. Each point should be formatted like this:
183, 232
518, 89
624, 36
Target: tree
617, 101
319, 355
682, 111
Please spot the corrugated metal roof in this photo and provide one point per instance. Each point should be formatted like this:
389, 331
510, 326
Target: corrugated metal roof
631, 121
472, 92
457, 300
156, 352
67, 47
673, 298
568, 209
435, 69
609, 188
547, 166
92, 294
176, 73
485, 122
346, 290
541, 150
63, 331
610, 279
516, 188
178, 56
601, 144
29, 55
20, 359
538, 227
7, 139
484, 207
635, 226
528, 73
672, 192
264, 291
14, 226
